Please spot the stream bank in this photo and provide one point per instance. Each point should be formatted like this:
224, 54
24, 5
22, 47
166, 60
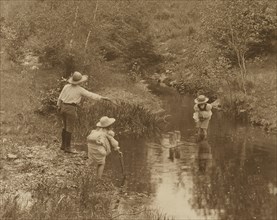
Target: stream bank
30, 156
240, 164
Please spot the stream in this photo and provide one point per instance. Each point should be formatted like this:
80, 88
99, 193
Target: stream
231, 175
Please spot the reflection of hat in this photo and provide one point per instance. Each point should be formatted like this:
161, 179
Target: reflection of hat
77, 78
105, 122
201, 99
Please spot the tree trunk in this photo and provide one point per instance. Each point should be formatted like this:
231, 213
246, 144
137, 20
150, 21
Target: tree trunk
240, 57
89, 33
74, 25
86, 44
94, 18
241, 67
243, 64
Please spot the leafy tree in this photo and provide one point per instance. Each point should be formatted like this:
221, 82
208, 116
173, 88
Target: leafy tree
240, 29
59, 31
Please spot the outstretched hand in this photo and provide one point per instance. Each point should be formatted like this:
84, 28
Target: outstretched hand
109, 100
106, 98
120, 153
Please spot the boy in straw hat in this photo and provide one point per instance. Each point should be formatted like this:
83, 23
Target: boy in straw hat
100, 141
202, 115
68, 101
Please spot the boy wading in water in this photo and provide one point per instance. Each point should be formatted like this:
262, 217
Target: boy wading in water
202, 115
68, 101
100, 141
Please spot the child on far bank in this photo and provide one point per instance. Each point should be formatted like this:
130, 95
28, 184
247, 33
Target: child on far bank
202, 115
100, 141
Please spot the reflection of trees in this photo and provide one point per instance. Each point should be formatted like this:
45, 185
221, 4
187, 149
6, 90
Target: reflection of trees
234, 188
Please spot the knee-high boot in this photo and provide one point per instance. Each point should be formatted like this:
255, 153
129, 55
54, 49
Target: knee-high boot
63, 139
68, 148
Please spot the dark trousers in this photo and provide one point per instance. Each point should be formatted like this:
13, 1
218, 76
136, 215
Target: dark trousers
69, 116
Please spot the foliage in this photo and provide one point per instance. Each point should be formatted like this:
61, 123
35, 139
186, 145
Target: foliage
264, 112
89, 198
240, 29
131, 120
203, 72
214, 58
238, 103
202, 43
197, 87
49, 99
86, 31
234, 181
13, 41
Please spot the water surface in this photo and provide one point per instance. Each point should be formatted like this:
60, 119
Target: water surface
232, 175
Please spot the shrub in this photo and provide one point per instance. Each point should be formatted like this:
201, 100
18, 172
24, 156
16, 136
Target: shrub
88, 199
238, 103
248, 30
131, 119
89, 30
196, 86
49, 99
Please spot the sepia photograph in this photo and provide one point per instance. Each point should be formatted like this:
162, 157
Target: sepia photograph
138, 109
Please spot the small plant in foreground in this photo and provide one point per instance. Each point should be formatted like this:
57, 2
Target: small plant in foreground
89, 198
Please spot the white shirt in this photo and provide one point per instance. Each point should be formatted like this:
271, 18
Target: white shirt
73, 94
102, 137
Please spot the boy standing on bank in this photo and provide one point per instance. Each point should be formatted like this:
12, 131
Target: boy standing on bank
67, 103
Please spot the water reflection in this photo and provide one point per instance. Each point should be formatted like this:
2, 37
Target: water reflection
230, 176
235, 186
204, 157
175, 182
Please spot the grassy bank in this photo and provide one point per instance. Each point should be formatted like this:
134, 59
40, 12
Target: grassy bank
61, 185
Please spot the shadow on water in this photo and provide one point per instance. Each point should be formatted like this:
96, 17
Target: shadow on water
229, 176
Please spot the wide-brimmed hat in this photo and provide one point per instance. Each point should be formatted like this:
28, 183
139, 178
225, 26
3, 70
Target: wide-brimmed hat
77, 78
105, 122
201, 99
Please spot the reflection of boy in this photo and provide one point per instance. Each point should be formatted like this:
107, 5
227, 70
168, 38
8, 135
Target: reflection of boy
202, 114
204, 157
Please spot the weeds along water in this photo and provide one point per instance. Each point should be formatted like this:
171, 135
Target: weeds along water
132, 120
89, 198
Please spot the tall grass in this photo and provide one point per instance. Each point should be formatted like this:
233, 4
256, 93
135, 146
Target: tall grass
88, 199
132, 120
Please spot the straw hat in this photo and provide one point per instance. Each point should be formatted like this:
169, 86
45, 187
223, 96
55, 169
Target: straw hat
77, 78
105, 122
201, 99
